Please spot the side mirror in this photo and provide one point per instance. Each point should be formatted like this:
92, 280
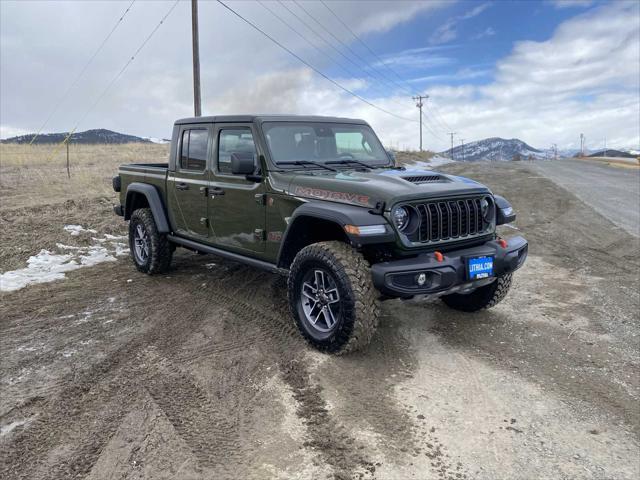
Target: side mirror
243, 163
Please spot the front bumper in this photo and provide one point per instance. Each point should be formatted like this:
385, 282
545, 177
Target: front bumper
397, 278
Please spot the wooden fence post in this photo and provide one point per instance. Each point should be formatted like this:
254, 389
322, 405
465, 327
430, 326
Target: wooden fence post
68, 171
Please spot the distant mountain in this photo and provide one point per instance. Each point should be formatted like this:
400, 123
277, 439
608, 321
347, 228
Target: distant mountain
494, 149
612, 153
97, 136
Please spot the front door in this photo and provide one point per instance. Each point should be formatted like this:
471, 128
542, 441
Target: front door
236, 205
187, 186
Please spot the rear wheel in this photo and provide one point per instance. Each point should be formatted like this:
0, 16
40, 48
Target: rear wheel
150, 250
332, 297
481, 298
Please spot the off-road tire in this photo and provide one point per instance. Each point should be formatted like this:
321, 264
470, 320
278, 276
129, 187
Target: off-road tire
481, 298
161, 252
359, 299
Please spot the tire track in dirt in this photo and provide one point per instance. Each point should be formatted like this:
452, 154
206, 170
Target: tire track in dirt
328, 437
77, 414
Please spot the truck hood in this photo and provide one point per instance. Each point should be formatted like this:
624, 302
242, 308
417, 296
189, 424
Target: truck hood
368, 189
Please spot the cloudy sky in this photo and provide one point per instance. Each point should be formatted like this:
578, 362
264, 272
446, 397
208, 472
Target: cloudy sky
542, 71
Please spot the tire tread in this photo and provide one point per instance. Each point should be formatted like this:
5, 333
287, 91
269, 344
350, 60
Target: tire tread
353, 270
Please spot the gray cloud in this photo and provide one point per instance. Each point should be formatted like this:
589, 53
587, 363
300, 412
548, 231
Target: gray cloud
45, 44
583, 79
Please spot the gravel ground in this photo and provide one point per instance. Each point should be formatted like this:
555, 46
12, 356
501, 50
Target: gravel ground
200, 373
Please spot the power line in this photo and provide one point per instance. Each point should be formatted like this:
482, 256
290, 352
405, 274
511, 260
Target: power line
347, 47
332, 46
408, 88
331, 58
322, 39
300, 59
431, 130
362, 42
119, 74
84, 69
439, 117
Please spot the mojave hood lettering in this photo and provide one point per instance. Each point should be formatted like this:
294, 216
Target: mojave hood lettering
320, 193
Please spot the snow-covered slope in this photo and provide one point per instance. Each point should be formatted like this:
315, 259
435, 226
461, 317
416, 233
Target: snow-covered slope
97, 136
495, 148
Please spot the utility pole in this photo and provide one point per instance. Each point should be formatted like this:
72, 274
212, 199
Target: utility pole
582, 144
605, 146
452, 134
462, 145
196, 59
419, 104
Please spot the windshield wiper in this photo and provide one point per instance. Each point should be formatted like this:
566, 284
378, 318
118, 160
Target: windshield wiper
307, 162
345, 162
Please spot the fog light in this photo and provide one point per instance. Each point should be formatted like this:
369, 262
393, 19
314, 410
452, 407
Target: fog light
421, 279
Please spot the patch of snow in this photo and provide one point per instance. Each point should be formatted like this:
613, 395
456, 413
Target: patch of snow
75, 230
108, 236
435, 161
121, 248
6, 429
161, 141
41, 268
438, 160
29, 349
62, 246
96, 255
68, 353
48, 266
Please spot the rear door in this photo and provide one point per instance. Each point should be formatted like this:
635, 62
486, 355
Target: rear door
187, 185
236, 205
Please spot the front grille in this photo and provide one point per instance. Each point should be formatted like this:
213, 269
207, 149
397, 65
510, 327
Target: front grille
450, 220
423, 179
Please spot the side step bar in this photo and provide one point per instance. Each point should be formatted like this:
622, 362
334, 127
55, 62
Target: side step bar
270, 267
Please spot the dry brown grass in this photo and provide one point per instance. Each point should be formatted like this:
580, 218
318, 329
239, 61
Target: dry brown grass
36, 175
408, 157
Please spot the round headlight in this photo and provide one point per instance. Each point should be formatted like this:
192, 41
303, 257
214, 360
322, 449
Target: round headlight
484, 208
400, 217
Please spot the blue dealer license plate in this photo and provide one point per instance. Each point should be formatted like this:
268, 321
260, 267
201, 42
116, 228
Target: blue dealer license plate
480, 267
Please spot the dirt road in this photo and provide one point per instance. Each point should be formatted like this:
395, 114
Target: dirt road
201, 374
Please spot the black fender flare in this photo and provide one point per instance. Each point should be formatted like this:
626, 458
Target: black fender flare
154, 199
341, 215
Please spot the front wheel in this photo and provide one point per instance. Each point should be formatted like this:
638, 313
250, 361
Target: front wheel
332, 297
150, 250
481, 298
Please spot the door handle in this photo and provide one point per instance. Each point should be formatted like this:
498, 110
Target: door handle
182, 186
213, 191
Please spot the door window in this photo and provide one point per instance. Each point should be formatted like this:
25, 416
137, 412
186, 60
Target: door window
193, 153
234, 141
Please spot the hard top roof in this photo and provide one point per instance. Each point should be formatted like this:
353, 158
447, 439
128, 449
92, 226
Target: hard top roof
268, 118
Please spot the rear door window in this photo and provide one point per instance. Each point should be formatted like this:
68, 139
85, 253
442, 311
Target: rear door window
193, 152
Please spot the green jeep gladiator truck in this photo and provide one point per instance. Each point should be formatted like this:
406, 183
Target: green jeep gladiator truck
320, 200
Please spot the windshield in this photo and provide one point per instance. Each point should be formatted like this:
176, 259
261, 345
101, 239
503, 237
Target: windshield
323, 142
